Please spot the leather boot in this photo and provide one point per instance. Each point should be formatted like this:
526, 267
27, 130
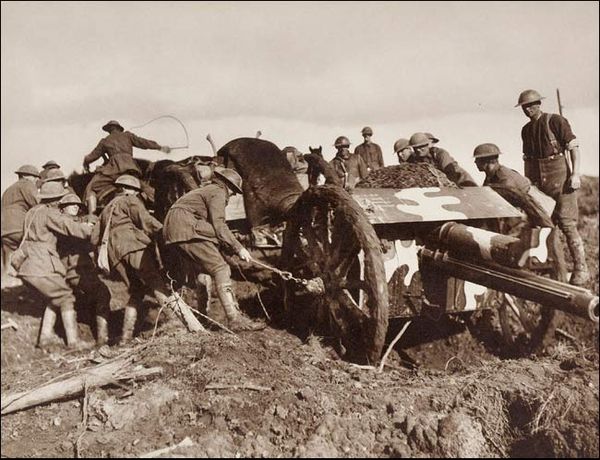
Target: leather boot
238, 321
47, 335
580, 273
128, 325
101, 330
69, 318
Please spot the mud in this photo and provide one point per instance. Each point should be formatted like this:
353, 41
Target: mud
278, 393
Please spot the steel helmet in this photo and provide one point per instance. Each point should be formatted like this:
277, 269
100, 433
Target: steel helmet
28, 170
529, 95
367, 130
50, 190
432, 138
112, 123
419, 140
231, 178
486, 150
342, 141
55, 175
70, 198
401, 144
128, 181
51, 164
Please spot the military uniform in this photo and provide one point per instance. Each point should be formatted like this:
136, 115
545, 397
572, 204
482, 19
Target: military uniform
443, 161
509, 178
544, 142
118, 146
131, 254
349, 171
195, 225
81, 274
129, 251
42, 267
371, 156
17, 199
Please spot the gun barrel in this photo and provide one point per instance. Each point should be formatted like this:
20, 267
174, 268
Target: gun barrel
551, 293
481, 244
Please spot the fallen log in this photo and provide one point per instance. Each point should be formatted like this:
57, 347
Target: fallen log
120, 368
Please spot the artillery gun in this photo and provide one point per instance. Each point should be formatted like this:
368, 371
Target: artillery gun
382, 253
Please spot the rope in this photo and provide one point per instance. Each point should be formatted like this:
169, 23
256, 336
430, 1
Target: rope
187, 138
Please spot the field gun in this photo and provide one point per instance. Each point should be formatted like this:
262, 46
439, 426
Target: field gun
386, 253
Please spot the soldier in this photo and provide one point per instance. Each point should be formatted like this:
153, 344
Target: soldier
126, 228
551, 155
42, 267
369, 152
349, 168
440, 158
81, 271
118, 147
17, 199
49, 166
486, 159
403, 149
195, 227
432, 138
56, 175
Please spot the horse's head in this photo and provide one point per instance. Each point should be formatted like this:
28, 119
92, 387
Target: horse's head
316, 151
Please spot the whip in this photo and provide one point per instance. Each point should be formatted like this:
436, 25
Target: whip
187, 139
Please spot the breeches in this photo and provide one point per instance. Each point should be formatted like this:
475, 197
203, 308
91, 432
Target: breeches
54, 288
102, 185
84, 277
206, 258
565, 213
141, 272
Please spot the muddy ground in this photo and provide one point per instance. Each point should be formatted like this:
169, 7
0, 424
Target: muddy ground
273, 393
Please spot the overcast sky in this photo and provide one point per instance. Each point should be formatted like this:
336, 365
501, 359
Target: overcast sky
302, 73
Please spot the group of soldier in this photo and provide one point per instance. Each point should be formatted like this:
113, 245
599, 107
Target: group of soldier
551, 163
49, 240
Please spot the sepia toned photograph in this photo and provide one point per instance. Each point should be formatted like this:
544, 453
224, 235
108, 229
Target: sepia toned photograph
299, 229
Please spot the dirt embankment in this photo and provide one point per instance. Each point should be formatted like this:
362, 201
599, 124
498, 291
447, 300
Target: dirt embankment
271, 393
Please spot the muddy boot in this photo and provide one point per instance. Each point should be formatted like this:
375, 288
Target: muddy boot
69, 318
101, 330
128, 325
47, 336
580, 273
238, 321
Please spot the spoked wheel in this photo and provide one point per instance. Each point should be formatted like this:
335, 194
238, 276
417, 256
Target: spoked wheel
328, 237
510, 326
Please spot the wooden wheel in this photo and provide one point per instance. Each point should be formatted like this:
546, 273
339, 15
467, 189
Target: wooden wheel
510, 326
328, 237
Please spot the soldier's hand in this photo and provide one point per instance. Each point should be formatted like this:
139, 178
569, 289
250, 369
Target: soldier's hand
165, 149
245, 255
575, 182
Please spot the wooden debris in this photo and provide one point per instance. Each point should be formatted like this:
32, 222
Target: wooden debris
216, 386
187, 442
10, 323
120, 368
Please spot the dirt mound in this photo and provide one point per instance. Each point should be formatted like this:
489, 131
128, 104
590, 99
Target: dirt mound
406, 175
270, 394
